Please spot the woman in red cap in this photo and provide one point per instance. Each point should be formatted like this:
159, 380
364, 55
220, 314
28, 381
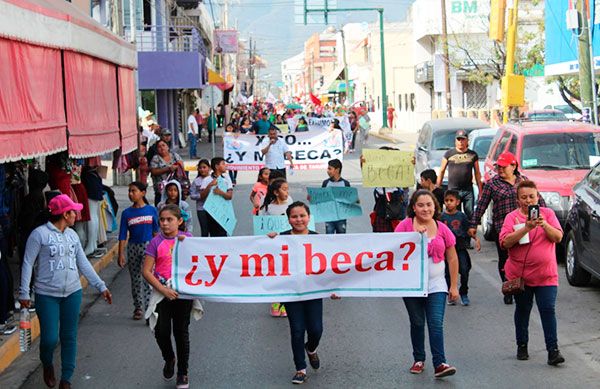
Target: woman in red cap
56, 252
502, 190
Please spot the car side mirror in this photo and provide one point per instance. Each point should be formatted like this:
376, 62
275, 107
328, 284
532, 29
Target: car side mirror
422, 148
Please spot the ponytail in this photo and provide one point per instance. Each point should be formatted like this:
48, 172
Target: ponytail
271, 189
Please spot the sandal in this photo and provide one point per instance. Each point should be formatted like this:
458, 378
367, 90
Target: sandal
138, 314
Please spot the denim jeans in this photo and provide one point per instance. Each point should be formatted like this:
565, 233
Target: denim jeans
192, 141
233, 176
430, 309
59, 318
304, 317
467, 200
178, 313
336, 227
464, 267
545, 298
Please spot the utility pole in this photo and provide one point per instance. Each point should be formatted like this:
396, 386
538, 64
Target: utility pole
446, 60
348, 90
586, 77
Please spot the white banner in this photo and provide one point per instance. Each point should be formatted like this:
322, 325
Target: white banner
310, 150
319, 124
251, 269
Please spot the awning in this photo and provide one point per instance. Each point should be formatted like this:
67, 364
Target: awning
61, 25
127, 111
328, 82
91, 103
32, 115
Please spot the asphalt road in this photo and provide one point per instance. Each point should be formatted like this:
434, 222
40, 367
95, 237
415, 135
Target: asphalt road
366, 343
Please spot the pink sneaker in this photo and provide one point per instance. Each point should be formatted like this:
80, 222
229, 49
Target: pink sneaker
275, 310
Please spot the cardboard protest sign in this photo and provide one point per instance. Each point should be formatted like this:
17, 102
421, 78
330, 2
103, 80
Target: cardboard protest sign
334, 203
387, 168
220, 209
263, 224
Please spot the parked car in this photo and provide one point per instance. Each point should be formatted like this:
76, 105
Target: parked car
582, 231
436, 137
555, 155
544, 115
480, 142
569, 112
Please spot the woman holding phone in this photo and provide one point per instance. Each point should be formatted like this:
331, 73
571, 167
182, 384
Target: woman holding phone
530, 234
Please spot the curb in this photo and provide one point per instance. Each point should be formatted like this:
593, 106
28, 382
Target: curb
388, 137
9, 350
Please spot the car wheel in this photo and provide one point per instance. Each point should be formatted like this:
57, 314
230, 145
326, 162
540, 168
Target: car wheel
576, 275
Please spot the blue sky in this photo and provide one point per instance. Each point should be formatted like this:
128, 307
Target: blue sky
271, 24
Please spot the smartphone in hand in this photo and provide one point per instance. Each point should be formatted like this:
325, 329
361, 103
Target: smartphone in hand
533, 212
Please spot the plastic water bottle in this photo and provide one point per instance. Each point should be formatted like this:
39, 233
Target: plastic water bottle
291, 171
24, 330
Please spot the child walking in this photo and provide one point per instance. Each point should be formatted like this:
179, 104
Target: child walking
275, 203
458, 223
305, 317
172, 312
259, 190
172, 195
219, 167
139, 223
198, 191
334, 171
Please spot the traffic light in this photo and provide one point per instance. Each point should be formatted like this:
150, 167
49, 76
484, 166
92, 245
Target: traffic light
497, 13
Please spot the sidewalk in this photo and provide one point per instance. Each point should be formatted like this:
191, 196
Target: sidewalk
9, 348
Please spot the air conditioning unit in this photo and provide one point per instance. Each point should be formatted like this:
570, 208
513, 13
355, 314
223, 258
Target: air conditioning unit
572, 19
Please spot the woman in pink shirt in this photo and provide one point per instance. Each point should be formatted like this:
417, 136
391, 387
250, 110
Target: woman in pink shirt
532, 256
423, 212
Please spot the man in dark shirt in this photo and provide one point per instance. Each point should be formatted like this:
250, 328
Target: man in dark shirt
461, 162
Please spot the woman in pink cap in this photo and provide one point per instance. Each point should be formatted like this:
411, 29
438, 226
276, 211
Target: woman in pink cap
56, 252
502, 190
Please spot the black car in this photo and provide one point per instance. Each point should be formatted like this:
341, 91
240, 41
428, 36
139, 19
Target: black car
583, 231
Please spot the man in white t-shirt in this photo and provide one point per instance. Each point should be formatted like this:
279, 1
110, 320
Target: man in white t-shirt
276, 152
192, 133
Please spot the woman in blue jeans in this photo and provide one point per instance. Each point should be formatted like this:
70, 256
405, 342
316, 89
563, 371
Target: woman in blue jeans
532, 256
423, 212
305, 317
56, 251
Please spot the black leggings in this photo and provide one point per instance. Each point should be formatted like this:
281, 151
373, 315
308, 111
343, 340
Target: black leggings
178, 313
502, 255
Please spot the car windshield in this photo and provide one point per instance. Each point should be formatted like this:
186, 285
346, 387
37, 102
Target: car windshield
546, 116
481, 145
443, 140
559, 151
565, 109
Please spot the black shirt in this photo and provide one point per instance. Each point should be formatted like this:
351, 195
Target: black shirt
289, 232
460, 168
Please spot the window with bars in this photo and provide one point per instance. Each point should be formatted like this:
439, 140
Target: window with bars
475, 95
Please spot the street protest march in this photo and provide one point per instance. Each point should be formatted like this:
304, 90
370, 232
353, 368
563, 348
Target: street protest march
310, 150
387, 168
334, 203
251, 269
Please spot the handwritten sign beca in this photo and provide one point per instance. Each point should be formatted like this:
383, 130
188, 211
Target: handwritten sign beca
263, 224
387, 168
334, 203
220, 209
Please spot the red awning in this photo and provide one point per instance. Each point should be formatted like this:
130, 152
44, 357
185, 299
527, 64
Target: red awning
32, 116
91, 101
127, 110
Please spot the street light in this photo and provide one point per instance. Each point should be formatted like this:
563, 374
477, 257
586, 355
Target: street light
333, 30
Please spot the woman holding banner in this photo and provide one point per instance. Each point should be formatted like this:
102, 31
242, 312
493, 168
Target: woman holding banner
423, 215
305, 317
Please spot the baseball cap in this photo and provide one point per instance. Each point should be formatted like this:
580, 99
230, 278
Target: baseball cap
461, 134
63, 203
166, 131
507, 158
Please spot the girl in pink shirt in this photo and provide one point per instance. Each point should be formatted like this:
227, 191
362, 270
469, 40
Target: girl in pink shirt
531, 255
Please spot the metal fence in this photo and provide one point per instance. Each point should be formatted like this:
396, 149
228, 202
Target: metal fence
168, 38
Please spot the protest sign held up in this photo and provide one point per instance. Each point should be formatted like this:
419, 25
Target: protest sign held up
300, 267
334, 203
263, 224
387, 168
220, 209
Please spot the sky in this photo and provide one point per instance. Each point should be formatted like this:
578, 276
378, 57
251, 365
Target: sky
271, 24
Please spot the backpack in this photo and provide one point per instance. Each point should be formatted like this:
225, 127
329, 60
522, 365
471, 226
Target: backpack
390, 205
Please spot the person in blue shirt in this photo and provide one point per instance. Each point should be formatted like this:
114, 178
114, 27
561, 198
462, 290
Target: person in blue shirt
458, 223
334, 171
140, 222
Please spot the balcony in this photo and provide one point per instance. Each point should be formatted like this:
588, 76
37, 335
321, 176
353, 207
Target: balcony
188, 4
170, 57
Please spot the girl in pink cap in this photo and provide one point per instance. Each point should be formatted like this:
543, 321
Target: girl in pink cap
56, 251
